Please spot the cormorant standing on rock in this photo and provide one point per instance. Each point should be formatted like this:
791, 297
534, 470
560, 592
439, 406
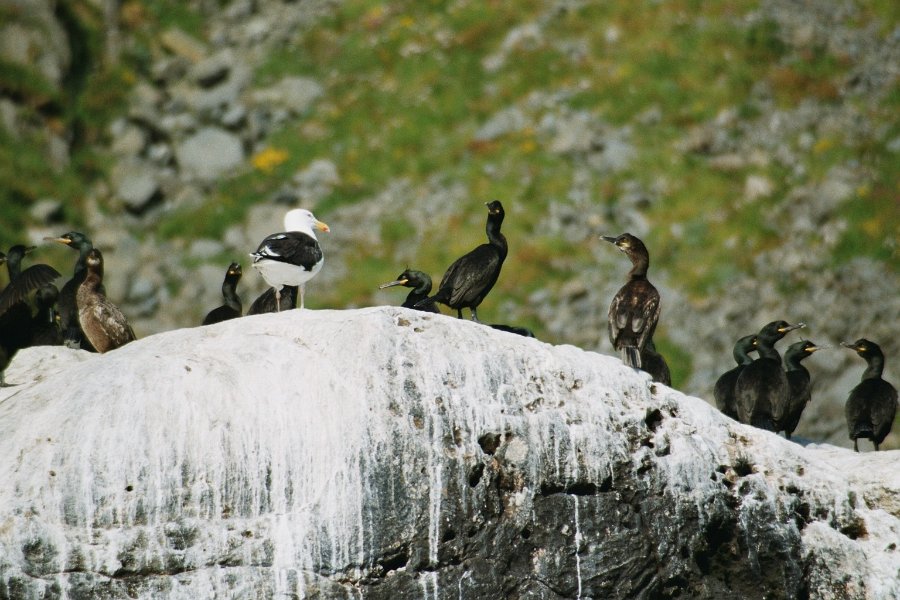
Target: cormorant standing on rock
654, 363
469, 279
104, 325
724, 390
15, 312
634, 310
762, 389
421, 286
293, 256
66, 305
44, 324
799, 382
266, 303
232, 307
872, 405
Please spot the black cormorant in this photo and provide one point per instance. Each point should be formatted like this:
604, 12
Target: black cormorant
421, 286
762, 389
872, 405
15, 311
293, 256
66, 305
523, 331
104, 325
634, 310
45, 329
655, 364
469, 279
232, 307
265, 302
799, 383
724, 390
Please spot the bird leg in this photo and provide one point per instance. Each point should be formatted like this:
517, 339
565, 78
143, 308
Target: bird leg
459, 313
277, 299
475, 315
302, 292
855, 446
876, 447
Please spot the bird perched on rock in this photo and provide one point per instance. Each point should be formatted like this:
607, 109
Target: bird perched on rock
293, 256
16, 324
232, 307
266, 303
469, 279
104, 325
421, 286
634, 310
45, 329
66, 305
655, 364
724, 390
872, 405
799, 383
762, 388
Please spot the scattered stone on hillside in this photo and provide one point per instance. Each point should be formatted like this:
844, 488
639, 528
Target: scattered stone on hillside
128, 139
212, 70
182, 44
294, 94
316, 181
136, 184
234, 116
205, 248
47, 211
504, 122
210, 153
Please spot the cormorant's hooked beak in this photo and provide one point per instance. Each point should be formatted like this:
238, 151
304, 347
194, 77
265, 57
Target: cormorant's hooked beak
393, 283
799, 325
59, 240
322, 226
812, 349
852, 346
609, 239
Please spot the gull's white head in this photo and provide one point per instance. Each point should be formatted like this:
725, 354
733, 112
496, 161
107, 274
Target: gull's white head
300, 219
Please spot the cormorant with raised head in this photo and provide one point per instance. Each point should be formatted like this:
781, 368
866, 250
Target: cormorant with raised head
469, 279
724, 390
103, 324
655, 364
293, 256
872, 405
762, 389
799, 383
634, 310
232, 307
421, 286
66, 305
15, 311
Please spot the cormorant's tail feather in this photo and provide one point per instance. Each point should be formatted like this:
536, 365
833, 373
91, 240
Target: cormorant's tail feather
631, 357
425, 302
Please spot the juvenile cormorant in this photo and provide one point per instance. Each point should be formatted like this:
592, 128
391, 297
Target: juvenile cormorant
292, 257
45, 322
232, 307
724, 390
469, 279
104, 325
15, 311
762, 389
421, 286
799, 383
66, 305
872, 404
634, 310
655, 364
265, 302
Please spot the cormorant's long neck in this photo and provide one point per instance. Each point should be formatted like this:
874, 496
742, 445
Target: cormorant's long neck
792, 362
875, 367
766, 349
495, 238
14, 265
93, 278
640, 262
81, 263
741, 356
229, 292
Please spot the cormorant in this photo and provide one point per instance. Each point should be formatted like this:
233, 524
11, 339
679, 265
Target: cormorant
654, 363
872, 404
265, 302
762, 389
292, 257
15, 311
66, 305
469, 279
523, 331
634, 310
232, 307
724, 390
104, 325
799, 383
421, 286
45, 323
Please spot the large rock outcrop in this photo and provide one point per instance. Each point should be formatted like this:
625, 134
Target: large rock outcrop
387, 454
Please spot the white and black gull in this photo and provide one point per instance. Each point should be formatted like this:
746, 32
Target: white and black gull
292, 257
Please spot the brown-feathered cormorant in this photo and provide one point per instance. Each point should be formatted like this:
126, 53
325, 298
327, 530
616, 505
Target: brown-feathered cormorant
66, 305
872, 405
799, 383
104, 325
655, 364
469, 279
232, 307
15, 311
762, 389
293, 256
634, 310
724, 390
45, 329
421, 286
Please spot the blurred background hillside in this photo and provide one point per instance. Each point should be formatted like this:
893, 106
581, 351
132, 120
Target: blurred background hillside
754, 146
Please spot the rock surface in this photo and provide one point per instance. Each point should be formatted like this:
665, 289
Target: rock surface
387, 454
